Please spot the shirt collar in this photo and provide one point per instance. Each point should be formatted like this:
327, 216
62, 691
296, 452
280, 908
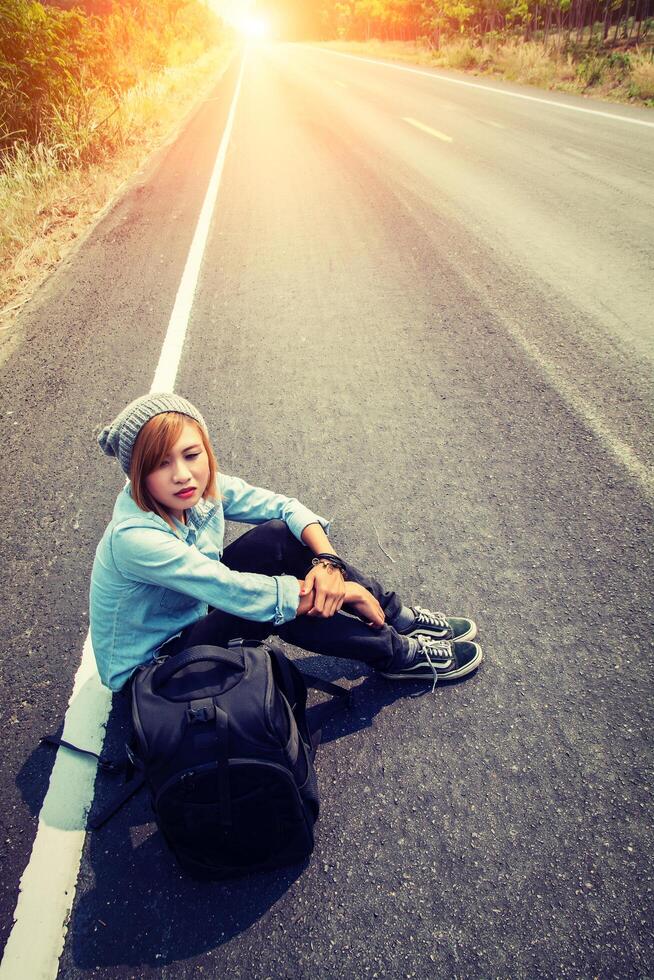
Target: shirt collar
197, 517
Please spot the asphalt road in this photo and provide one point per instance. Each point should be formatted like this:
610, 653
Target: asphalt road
425, 310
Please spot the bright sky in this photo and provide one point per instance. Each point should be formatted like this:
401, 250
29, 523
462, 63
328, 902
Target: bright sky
242, 15
231, 9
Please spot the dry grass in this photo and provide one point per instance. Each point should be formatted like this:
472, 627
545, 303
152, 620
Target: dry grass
530, 64
463, 55
45, 206
642, 77
397, 50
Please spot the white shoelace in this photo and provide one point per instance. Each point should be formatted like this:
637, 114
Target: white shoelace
435, 652
425, 617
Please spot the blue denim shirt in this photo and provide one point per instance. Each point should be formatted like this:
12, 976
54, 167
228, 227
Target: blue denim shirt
148, 582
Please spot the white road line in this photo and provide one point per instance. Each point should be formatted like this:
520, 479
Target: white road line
488, 88
642, 472
47, 887
164, 376
427, 129
577, 153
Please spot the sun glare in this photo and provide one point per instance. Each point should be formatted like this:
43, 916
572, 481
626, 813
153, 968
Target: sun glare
241, 15
252, 27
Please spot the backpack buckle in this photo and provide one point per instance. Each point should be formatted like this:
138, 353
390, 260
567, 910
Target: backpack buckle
238, 643
200, 711
188, 781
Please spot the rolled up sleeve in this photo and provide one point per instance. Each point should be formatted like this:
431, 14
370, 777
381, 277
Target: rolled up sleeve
255, 505
156, 557
288, 598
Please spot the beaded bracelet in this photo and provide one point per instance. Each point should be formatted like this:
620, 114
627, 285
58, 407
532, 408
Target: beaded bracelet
333, 560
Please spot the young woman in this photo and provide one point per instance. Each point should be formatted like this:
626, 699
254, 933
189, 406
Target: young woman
161, 563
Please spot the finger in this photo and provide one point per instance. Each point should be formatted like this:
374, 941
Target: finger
332, 607
377, 618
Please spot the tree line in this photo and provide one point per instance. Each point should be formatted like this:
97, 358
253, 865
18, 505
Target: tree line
589, 22
57, 60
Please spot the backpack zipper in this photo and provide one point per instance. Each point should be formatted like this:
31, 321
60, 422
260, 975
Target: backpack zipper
209, 766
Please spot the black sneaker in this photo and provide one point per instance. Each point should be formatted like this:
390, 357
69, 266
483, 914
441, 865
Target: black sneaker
438, 660
436, 626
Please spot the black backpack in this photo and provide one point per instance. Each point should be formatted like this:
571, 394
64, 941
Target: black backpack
221, 739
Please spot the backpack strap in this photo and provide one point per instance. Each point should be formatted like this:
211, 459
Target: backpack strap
201, 711
290, 678
341, 700
327, 687
288, 671
128, 790
105, 764
193, 655
222, 756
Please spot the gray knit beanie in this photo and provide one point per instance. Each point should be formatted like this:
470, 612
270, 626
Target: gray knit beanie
118, 438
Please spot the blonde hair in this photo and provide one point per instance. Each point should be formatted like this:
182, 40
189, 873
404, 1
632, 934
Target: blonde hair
153, 443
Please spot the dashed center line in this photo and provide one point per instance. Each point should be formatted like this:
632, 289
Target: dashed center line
577, 153
428, 129
436, 77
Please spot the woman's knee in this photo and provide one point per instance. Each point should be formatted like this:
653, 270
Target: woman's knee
269, 549
275, 526
276, 536
274, 533
289, 549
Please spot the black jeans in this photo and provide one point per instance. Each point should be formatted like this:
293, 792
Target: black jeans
271, 549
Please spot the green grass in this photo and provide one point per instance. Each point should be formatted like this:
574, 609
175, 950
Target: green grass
51, 192
83, 100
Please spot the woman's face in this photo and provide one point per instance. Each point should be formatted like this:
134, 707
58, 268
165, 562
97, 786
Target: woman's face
182, 476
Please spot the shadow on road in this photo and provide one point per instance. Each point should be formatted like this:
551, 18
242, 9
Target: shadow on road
134, 907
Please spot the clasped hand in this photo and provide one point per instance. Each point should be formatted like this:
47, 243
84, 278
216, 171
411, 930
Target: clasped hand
324, 591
